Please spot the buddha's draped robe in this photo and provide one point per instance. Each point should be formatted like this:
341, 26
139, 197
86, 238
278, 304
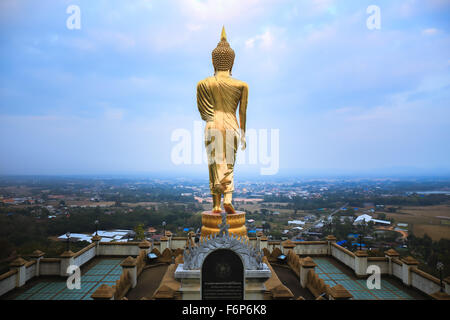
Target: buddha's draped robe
217, 100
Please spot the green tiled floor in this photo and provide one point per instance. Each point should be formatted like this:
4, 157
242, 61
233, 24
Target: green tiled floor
105, 271
357, 287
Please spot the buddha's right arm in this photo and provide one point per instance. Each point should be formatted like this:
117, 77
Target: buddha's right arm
204, 105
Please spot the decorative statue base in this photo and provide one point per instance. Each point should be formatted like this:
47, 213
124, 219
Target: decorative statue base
223, 266
211, 221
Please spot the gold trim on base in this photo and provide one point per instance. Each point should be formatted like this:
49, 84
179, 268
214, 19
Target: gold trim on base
210, 222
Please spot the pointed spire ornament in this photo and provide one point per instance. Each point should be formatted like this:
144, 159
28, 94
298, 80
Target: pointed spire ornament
223, 37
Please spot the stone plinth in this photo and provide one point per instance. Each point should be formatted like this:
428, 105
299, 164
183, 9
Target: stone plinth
190, 287
211, 221
223, 264
104, 292
338, 292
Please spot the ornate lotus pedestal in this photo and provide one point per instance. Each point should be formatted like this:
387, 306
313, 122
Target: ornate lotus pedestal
211, 221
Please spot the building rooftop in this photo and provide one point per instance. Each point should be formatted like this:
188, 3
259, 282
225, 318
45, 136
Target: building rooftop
97, 272
333, 273
366, 218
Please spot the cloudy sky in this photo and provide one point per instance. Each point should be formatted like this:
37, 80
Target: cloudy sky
106, 98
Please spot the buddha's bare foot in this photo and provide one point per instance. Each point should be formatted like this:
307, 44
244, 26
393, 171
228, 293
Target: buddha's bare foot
229, 208
216, 203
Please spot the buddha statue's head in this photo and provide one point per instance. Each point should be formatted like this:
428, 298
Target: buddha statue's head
223, 55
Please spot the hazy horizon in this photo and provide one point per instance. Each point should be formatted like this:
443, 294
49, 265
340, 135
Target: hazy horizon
283, 175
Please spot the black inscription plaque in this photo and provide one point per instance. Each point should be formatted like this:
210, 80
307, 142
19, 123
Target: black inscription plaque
222, 276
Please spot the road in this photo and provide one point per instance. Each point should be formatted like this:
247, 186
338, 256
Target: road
391, 228
322, 219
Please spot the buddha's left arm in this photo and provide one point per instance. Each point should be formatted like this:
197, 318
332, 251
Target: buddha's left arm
204, 105
243, 108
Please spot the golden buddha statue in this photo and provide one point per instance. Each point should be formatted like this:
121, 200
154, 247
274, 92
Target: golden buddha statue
218, 98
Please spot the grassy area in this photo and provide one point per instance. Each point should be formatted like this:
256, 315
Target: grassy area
435, 232
424, 220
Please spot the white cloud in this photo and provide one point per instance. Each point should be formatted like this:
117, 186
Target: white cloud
114, 114
322, 35
403, 107
222, 10
429, 31
319, 6
194, 27
264, 40
407, 8
414, 8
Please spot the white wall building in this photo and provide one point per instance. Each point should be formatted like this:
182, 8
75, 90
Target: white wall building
366, 219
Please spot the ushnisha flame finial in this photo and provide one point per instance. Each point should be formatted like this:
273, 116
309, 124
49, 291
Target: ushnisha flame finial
223, 37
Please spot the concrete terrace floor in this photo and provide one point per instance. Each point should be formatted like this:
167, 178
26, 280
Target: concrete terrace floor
93, 274
148, 282
333, 272
150, 279
290, 280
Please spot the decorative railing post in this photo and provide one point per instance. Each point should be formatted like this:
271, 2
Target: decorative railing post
288, 245
306, 265
264, 243
19, 265
164, 243
66, 261
37, 255
408, 264
129, 264
259, 235
330, 239
145, 245
96, 239
447, 285
391, 254
361, 263
168, 235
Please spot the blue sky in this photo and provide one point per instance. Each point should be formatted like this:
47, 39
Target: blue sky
106, 98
